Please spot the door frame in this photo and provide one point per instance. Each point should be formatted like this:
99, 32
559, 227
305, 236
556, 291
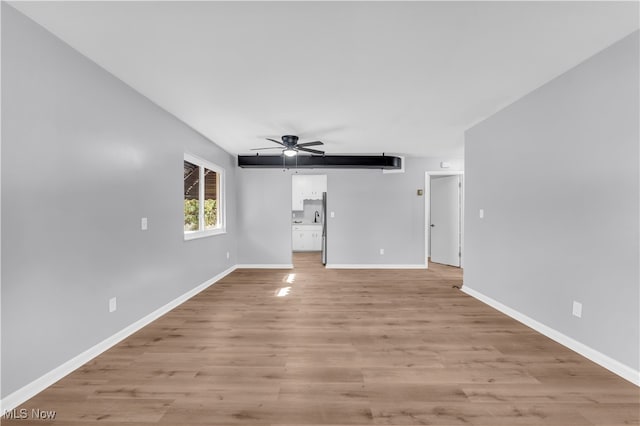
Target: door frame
427, 211
295, 173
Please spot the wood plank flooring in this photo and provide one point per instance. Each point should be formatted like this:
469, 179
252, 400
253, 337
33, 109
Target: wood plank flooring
343, 347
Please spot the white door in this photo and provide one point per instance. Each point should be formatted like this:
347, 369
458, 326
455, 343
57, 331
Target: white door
445, 220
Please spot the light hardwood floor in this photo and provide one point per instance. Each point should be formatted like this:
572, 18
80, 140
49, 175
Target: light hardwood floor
343, 347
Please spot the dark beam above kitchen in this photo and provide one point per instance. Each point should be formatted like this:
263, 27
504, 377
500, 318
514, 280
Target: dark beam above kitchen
321, 161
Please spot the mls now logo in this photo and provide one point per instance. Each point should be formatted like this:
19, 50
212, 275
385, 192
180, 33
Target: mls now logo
34, 414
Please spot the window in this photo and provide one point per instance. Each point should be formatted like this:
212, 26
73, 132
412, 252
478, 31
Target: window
203, 198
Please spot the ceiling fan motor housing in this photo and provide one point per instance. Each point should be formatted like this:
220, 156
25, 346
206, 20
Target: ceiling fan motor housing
291, 146
289, 140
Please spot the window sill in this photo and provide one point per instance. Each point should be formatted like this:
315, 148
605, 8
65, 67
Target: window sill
194, 235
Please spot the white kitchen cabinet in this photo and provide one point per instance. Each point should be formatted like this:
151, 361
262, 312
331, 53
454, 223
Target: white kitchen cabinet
307, 187
297, 192
316, 240
306, 237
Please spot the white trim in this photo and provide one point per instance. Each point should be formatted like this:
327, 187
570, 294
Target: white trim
427, 209
198, 161
28, 391
194, 235
599, 358
373, 266
265, 266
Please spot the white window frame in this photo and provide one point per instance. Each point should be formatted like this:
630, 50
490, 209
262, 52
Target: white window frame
221, 204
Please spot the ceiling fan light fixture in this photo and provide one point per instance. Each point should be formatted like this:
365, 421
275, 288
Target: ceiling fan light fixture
290, 152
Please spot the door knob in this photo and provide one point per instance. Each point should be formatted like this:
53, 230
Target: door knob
432, 225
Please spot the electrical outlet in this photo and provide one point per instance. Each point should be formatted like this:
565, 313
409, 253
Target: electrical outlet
143, 223
577, 309
113, 304
381, 251
333, 214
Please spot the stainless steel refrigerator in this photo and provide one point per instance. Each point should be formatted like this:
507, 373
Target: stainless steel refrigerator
324, 228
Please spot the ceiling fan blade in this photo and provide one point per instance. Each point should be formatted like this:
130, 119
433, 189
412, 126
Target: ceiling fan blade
313, 151
310, 144
273, 140
269, 147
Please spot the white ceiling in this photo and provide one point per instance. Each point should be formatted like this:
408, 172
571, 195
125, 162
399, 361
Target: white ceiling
364, 77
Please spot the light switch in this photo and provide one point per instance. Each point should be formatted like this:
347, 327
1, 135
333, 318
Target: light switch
481, 213
113, 304
333, 214
143, 223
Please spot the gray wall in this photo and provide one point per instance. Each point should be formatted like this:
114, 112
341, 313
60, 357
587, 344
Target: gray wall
372, 211
84, 157
264, 217
557, 175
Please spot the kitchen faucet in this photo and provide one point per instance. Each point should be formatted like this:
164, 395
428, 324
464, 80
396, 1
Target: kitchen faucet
317, 216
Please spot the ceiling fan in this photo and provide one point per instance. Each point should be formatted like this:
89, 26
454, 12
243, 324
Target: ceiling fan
290, 146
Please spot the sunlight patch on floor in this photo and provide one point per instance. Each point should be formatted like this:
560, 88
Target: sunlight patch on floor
283, 291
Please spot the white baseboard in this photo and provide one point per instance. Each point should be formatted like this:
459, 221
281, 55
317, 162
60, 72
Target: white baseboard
28, 391
265, 266
373, 266
599, 358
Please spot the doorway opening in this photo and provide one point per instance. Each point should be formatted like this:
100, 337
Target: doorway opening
444, 221
308, 216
